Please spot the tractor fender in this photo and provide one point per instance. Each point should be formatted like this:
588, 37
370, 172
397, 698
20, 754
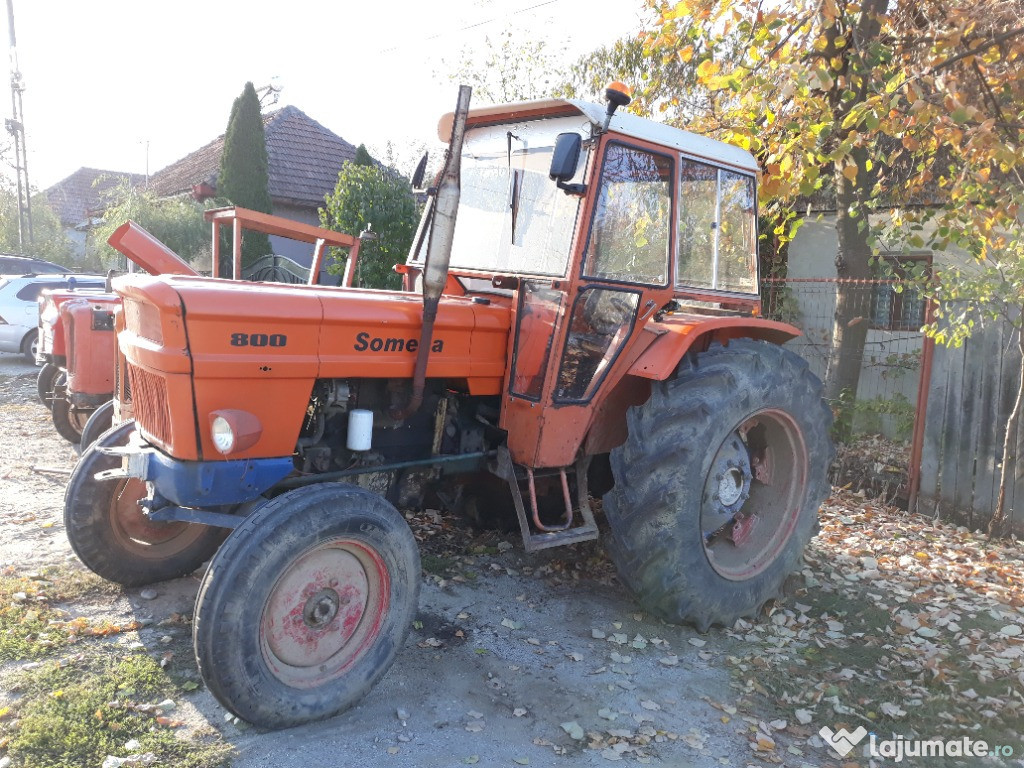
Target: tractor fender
678, 334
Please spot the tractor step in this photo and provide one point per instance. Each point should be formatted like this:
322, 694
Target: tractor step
536, 533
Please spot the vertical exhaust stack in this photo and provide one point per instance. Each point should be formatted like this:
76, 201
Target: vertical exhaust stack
439, 248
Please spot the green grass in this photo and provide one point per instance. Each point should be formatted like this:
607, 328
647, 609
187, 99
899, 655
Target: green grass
74, 712
32, 627
73, 716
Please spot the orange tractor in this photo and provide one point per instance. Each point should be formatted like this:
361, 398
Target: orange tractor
579, 319
77, 348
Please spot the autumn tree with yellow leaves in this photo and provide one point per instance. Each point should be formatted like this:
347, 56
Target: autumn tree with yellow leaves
910, 114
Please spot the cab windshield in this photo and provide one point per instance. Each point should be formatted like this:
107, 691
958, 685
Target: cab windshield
512, 217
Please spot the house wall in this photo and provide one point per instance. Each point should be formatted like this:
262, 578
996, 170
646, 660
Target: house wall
299, 252
891, 358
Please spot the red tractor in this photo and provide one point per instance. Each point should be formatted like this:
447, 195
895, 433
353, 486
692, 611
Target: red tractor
579, 320
77, 347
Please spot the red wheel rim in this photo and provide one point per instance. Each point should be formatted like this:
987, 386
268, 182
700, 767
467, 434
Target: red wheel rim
324, 612
750, 508
140, 535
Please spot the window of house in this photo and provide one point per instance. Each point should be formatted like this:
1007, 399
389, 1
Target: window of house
717, 229
894, 305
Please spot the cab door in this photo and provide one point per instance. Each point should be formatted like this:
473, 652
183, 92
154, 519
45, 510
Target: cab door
572, 336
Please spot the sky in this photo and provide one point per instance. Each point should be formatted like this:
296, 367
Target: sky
112, 83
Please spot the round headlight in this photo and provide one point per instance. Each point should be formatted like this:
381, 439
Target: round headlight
222, 434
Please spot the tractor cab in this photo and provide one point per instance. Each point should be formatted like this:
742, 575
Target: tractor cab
610, 237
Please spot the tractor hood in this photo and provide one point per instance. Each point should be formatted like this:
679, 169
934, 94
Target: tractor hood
251, 346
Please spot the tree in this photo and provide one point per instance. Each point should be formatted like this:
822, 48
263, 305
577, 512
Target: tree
363, 156
243, 176
880, 103
50, 241
512, 69
371, 194
963, 131
177, 222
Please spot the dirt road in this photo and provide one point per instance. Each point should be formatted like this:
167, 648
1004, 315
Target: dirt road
539, 660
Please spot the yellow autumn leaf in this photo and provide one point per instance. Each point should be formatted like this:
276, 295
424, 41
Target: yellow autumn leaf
707, 68
850, 172
686, 54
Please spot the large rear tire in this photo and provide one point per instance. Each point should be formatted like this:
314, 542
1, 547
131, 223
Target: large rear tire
718, 484
306, 605
112, 536
45, 382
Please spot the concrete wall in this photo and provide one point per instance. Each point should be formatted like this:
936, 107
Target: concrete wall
891, 358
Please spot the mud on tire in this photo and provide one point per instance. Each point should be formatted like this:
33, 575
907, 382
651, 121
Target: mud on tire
687, 483
306, 605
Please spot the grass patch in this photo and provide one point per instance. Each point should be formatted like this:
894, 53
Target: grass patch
32, 626
73, 716
437, 565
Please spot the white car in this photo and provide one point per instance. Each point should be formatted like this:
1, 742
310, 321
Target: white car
19, 308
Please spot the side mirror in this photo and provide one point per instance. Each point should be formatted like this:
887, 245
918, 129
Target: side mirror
564, 160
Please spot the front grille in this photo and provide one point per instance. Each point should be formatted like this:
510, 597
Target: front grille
151, 412
122, 386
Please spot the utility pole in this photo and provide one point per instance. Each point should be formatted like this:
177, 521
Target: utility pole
16, 127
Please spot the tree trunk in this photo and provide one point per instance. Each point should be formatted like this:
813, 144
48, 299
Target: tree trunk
853, 300
998, 526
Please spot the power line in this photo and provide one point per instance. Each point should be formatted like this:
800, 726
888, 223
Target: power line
477, 24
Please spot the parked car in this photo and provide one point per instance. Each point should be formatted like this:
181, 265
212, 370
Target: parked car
10, 264
19, 308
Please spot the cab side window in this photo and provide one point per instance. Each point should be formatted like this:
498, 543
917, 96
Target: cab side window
631, 231
717, 229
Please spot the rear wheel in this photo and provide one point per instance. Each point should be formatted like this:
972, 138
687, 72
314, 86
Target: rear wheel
306, 605
45, 382
114, 538
99, 422
67, 420
718, 485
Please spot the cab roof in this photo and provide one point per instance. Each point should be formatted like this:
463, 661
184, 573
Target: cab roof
622, 122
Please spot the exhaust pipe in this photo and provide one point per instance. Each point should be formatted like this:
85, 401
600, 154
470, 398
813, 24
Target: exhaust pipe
439, 249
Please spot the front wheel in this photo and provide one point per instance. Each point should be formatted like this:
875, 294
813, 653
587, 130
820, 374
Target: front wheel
45, 382
114, 538
67, 420
718, 484
306, 605
99, 422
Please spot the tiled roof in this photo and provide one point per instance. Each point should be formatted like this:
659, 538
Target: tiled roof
81, 194
303, 160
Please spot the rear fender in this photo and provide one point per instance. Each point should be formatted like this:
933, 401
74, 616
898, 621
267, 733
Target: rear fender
675, 336
665, 343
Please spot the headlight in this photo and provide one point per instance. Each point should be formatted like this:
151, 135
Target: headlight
232, 430
222, 434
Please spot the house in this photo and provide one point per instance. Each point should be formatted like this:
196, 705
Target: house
79, 199
303, 159
889, 380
